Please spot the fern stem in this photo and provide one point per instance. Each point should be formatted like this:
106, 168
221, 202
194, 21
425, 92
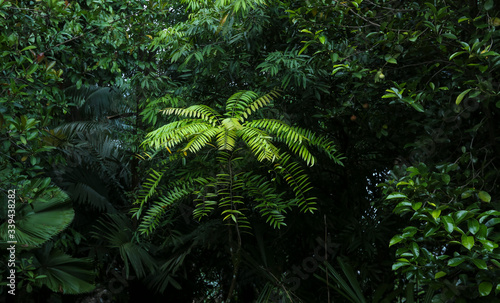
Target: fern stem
235, 256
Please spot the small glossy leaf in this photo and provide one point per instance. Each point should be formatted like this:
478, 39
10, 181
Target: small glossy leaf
481, 234
395, 196
468, 193
485, 288
468, 241
416, 206
395, 239
397, 265
439, 274
448, 223
415, 249
436, 213
456, 261
484, 196
473, 225
449, 36
417, 106
456, 54
481, 264
430, 231
492, 222
489, 245
392, 60
28, 48
409, 232
460, 216
462, 95
497, 264
488, 5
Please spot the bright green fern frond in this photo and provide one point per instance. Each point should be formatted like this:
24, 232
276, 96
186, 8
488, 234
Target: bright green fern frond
297, 139
259, 103
196, 111
236, 104
177, 192
244, 103
230, 199
270, 204
201, 140
321, 143
154, 214
298, 181
226, 139
260, 144
148, 190
173, 133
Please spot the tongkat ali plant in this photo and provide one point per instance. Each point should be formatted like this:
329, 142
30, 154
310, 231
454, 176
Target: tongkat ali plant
229, 189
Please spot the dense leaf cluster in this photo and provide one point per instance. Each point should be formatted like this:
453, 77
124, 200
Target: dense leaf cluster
251, 150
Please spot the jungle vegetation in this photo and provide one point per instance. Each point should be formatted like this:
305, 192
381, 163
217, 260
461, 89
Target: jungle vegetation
251, 150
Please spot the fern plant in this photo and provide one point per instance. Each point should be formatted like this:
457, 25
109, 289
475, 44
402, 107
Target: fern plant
229, 189
202, 128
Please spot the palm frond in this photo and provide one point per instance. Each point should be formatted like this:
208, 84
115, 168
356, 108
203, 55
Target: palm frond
116, 231
162, 279
62, 272
346, 285
70, 129
276, 293
85, 186
39, 221
98, 102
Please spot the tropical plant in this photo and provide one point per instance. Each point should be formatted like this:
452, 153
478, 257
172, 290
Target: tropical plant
347, 284
233, 190
452, 243
394, 82
206, 128
44, 212
61, 272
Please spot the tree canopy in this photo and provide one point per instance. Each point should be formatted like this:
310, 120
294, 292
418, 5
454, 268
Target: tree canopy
251, 150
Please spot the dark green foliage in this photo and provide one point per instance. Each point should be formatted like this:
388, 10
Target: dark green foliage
405, 91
